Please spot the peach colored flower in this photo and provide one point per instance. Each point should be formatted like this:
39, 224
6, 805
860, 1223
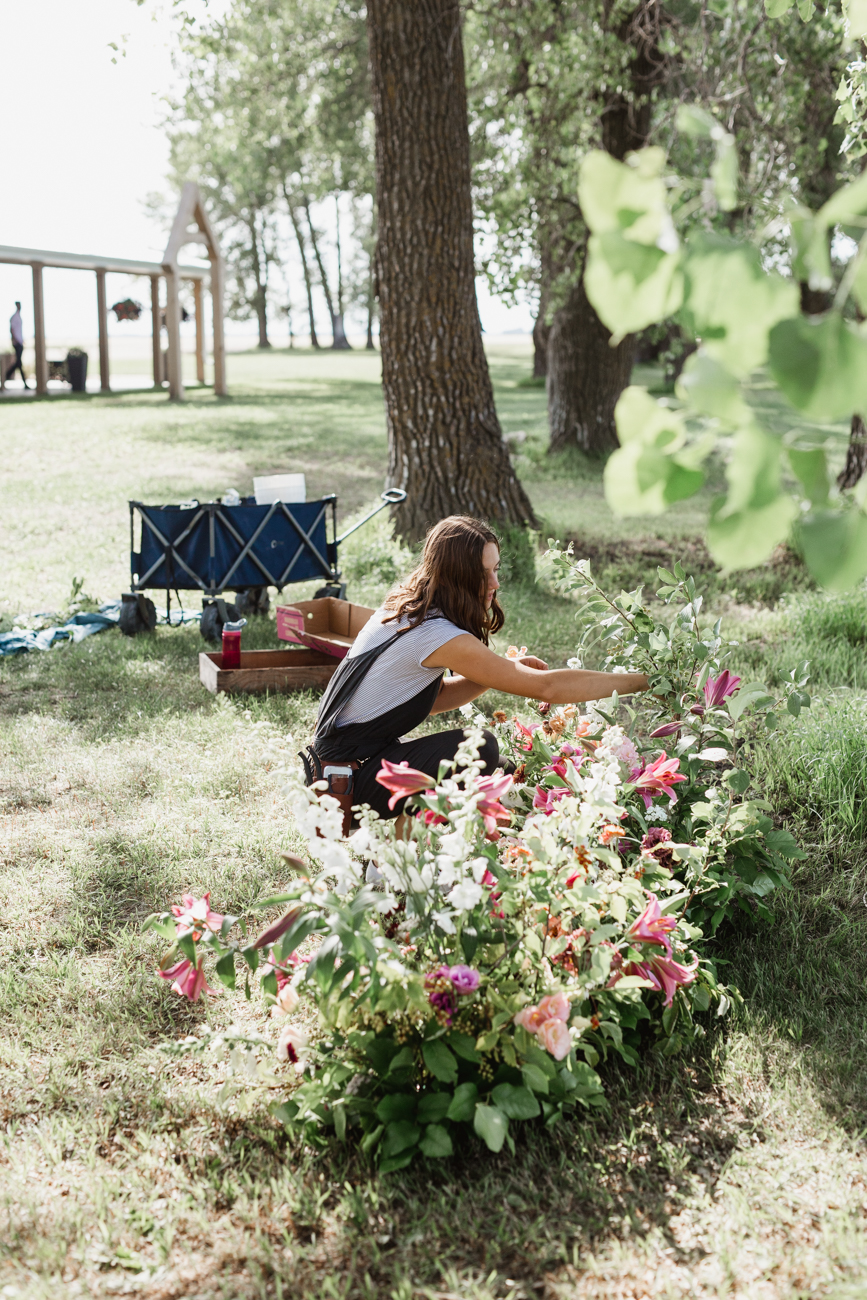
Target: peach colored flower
287, 1001
583, 725
531, 1019
555, 1007
610, 833
554, 1036
514, 653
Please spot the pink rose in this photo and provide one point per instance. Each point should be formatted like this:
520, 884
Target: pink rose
531, 1019
555, 1007
555, 1038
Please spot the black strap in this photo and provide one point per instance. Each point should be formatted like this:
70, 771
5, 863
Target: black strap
361, 740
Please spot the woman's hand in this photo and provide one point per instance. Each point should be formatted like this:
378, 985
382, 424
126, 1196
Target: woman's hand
530, 661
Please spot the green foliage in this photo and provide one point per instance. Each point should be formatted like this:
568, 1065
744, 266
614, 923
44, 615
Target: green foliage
743, 315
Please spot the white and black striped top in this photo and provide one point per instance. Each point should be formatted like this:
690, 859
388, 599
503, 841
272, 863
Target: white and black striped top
399, 673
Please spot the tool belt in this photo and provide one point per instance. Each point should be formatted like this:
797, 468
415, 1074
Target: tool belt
340, 778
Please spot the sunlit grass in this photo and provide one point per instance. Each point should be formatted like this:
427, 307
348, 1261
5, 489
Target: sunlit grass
738, 1170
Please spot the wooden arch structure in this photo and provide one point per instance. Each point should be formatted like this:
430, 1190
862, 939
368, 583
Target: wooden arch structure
191, 225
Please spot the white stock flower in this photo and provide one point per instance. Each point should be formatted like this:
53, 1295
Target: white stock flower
656, 813
617, 744
448, 871
339, 864
465, 896
445, 922
478, 866
453, 845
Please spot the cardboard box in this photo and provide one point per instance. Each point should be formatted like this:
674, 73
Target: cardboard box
328, 625
268, 670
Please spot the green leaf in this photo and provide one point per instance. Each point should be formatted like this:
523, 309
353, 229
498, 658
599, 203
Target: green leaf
709, 388
626, 197
820, 365
856, 17
534, 1078
440, 1061
393, 1163
515, 1103
433, 1106
491, 1125
463, 1103
811, 469
396, 1106
755, 516
251, 957
776, 8
695, 121
399, 1135
339, 1113
750, 694
732, 303
649, 470
463, 1045
402, 1061
226, 970
629, 284
738, 781
724, 170
834, 546
187, 945
436, 1143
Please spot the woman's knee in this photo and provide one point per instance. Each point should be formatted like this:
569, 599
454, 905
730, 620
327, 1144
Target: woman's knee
490, 751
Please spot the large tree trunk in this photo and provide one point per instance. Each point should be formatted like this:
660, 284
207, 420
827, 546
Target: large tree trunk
446, 447
583, 387
586, 375
856, 455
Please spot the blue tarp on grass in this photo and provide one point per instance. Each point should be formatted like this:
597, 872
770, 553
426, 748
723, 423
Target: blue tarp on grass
74, 629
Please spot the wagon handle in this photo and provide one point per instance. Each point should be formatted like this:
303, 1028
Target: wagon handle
390, 497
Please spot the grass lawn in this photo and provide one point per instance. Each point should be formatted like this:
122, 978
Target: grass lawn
739, 1170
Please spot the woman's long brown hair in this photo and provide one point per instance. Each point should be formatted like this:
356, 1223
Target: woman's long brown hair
450, 580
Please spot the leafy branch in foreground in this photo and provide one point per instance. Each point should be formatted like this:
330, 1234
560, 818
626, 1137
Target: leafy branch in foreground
745, 316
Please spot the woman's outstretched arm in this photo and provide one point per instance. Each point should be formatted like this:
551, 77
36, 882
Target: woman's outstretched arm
483, 670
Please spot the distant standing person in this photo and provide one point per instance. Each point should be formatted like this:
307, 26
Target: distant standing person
16, 329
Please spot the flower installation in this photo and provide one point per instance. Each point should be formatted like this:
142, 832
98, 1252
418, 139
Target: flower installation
530, 926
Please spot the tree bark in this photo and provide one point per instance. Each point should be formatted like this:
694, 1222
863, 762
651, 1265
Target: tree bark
446, 447
583, 387
338, 335
338, 327
308, 283
541, 336
585, 377
856, 455
260, 300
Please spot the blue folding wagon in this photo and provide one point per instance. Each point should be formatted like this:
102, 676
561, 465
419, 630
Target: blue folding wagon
246, 548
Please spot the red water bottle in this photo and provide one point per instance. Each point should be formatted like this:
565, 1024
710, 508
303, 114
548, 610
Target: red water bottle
232, 644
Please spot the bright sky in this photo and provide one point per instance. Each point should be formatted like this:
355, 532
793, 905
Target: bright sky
83, 147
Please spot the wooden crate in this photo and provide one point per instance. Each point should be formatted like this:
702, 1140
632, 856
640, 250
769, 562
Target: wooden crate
327, 624
268, 670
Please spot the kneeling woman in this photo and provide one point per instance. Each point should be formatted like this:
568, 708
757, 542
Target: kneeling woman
393, 677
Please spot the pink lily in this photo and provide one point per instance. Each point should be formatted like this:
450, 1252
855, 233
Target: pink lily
652, 926
545, 798
669, 729
195, 915
491, 789
527, 733
717, 689
188, 980
664, 973
402, 779
658, 778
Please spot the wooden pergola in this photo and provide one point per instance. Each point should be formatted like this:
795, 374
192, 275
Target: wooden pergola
191, 225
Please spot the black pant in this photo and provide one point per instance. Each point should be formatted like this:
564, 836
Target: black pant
426, 754
16, 364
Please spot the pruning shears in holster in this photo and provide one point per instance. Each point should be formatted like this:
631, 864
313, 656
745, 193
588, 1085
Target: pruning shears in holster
340, 779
